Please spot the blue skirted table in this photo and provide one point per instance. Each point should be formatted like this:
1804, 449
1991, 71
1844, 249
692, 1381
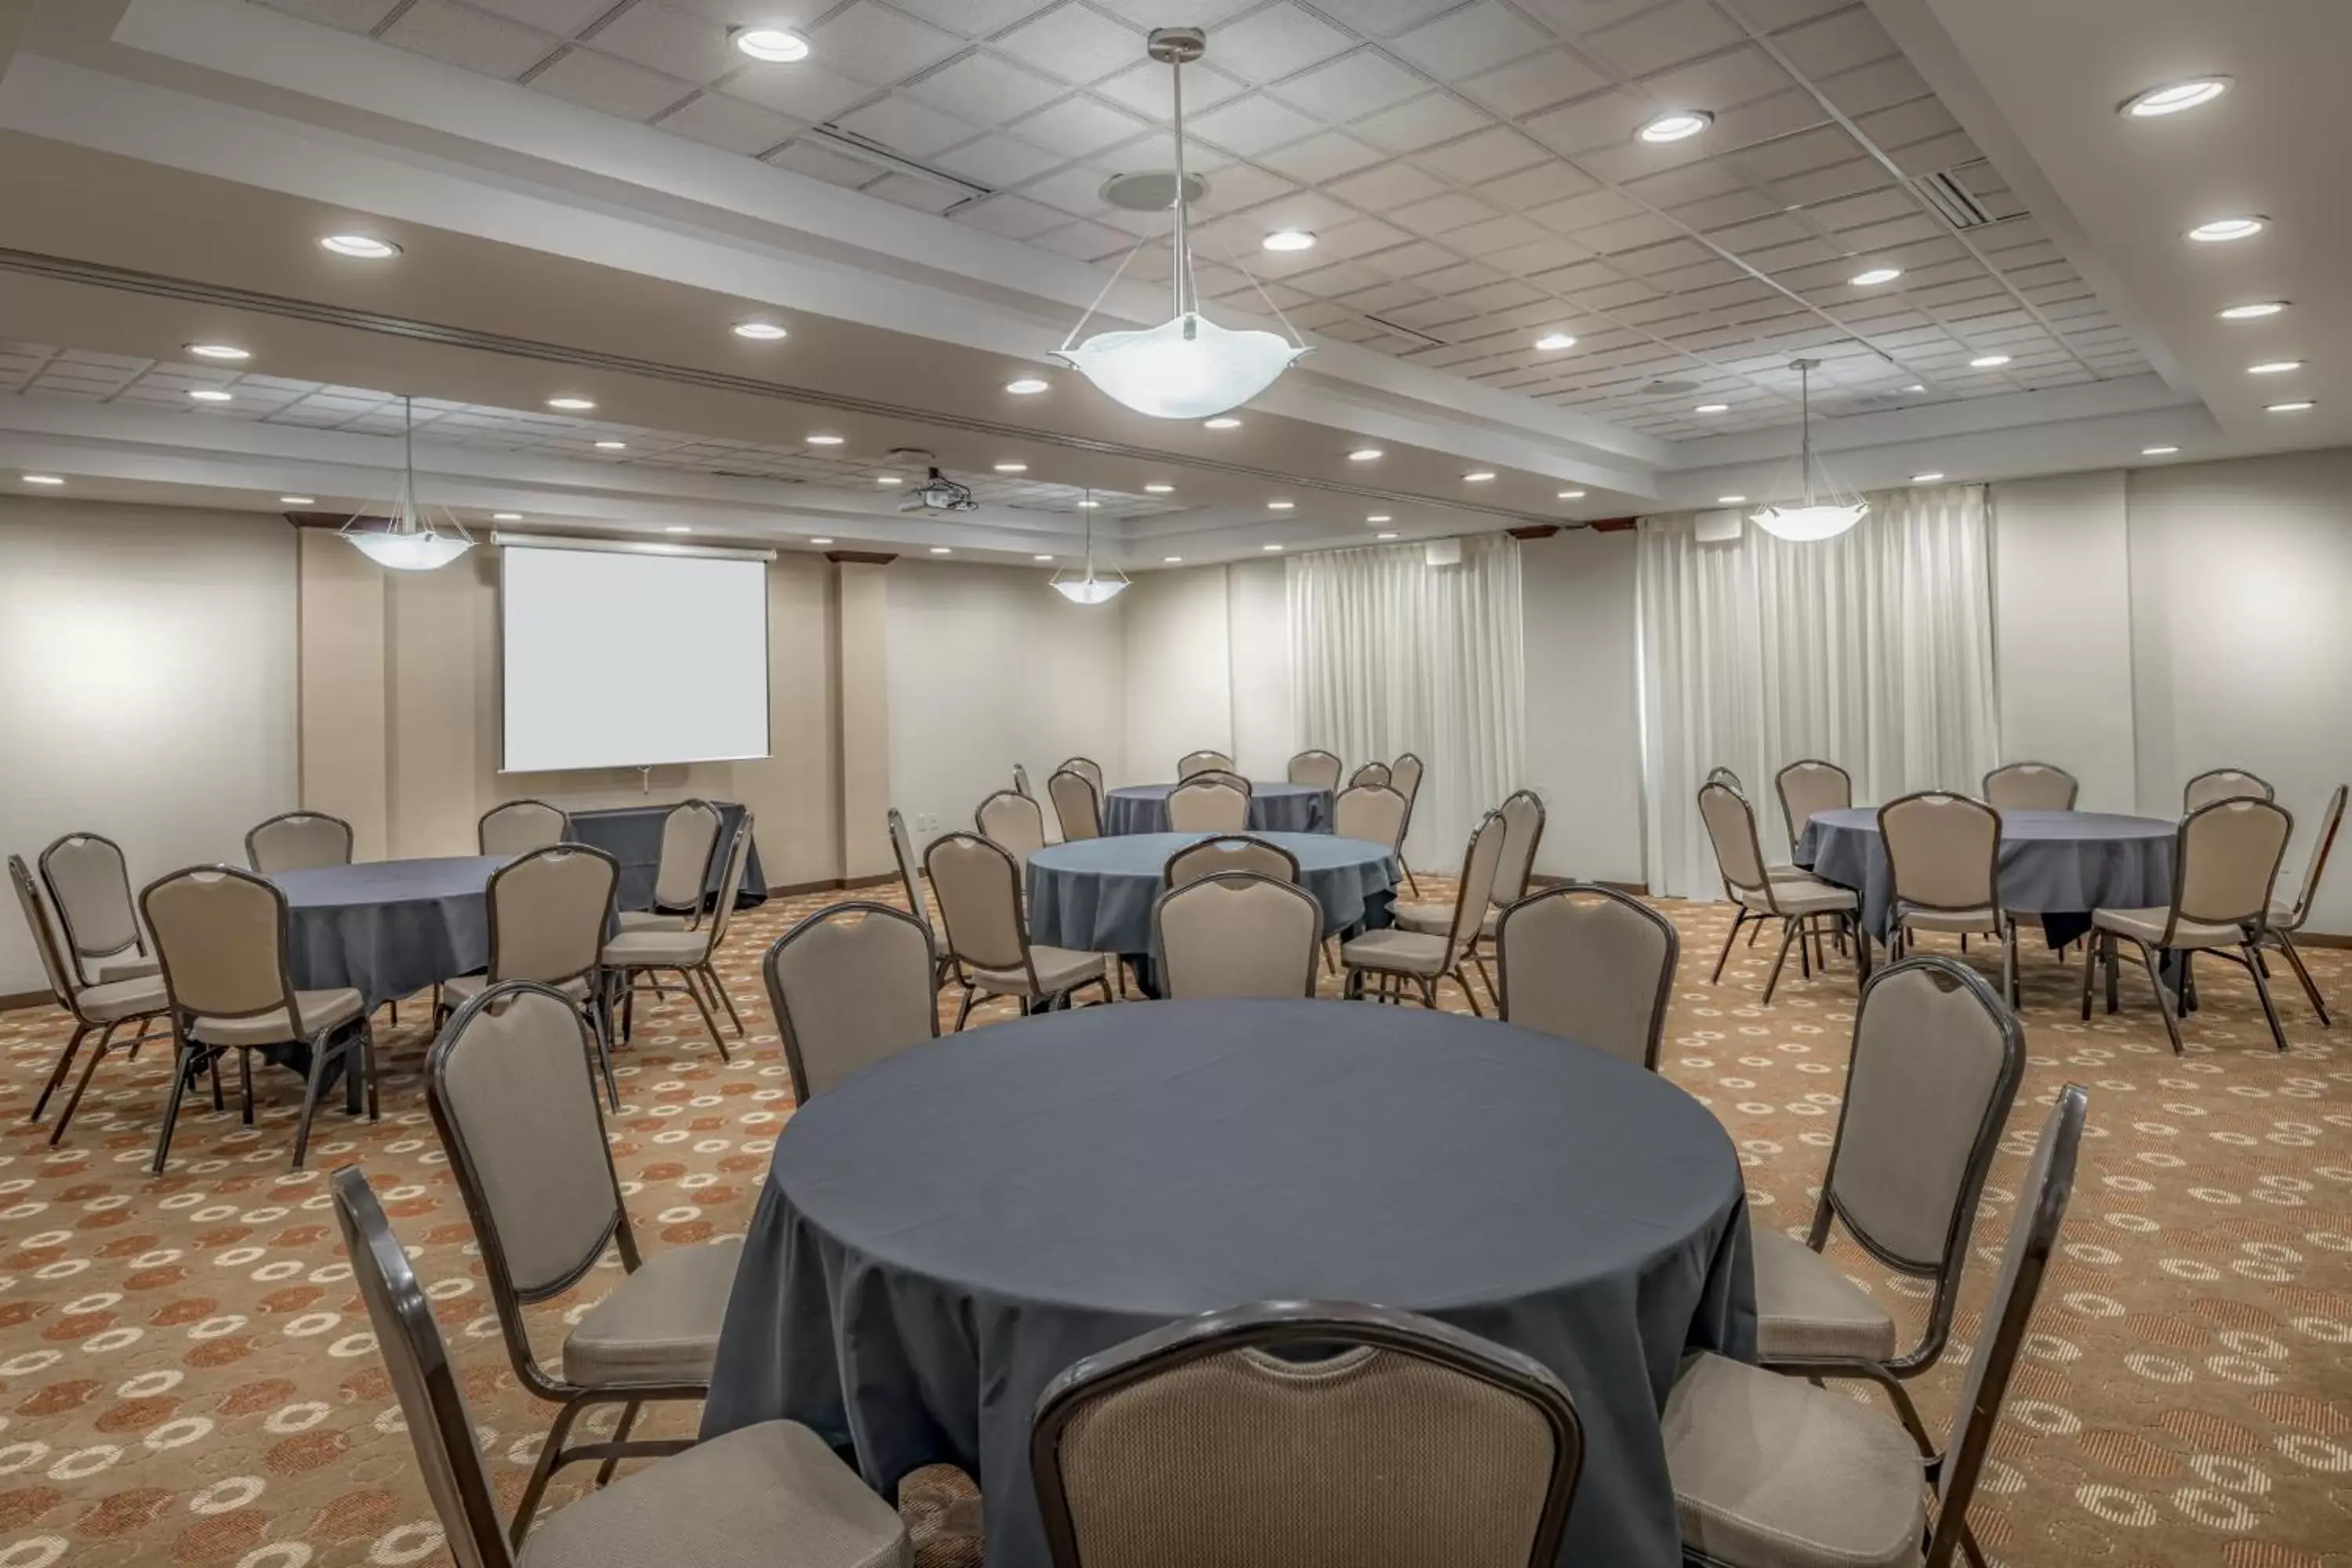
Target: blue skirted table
1095, 895
1273, 808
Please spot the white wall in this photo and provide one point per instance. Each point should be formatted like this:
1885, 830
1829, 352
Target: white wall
1177, 647
2062, 591
1583, 722
1258, 614
147, 686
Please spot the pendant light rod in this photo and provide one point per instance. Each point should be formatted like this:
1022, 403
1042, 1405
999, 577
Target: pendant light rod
1805, 425
1179, 46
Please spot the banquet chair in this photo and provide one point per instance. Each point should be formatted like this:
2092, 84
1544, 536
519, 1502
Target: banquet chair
910, 878
1087, 769
519, 826
687, 954
1193, 762
979, 885
1372, 776
1305, 1432
1523, 821
2288, 919
548, 913
1943, 858
1396, 956
1795, 901
689, 843
1771, 1472
1229, 852
297, 841
1594, 965
221, 934
89, 889
2031, 786
1235, 933
1725, 776
850, 984
1405, 776
1809, 786
102, 1008
510, 1094
1317, 768
1936, 1065
2223, 784
764, 1495
1013, 821
1021, 781
1077, 805
2225, 861
1209, 803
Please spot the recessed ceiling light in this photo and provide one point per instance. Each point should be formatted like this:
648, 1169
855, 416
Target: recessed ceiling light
2253, 312
2157, 451
1269, 547
1571, 495
2227, 228
572, 405
220, 350
677, 528
1158, 490
2173, 97
1366, 455
2274, 367
505, 517
1288, 240
820, 541
50, 479
1712, 409
1729, 501
365, 246
2295, 407
212, 394
1280, 505
824, 440
1875, 276
1172, 560
1090, 503
1222, 422
888, 480
761, 332
1551, 342
1916, 386
297, 500
1027, 387
777, 46
1011, 468
1477, 476
612, 446
1380, 517
1926, 479
1041, 558
1675, 125
1987, 361
942, 550
1384, 536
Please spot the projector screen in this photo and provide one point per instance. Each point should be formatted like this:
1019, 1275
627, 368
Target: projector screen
620, 659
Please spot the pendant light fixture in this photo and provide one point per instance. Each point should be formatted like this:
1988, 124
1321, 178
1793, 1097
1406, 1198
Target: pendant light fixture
1187, 367
1827, 510
1089, 588
414, 540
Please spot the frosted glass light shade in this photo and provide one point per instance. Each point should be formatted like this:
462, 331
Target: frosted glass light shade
1804, 524
409, 552
1187, 367
1089, 590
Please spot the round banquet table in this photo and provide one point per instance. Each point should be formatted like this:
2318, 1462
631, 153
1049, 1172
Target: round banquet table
1273, 808
944, 1233
1095, 895
388, 928
2060, 864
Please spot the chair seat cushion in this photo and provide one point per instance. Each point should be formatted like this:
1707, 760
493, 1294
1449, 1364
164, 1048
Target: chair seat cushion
1788, 874
658, 949
659, 1324
121, 999
1399, 952
319, 1011
651, 919
1771, 1472
2147, 926
1805, 1305
1430, 919
1058, 969
123, 966
464, 988
2282, 917
769, 1496
1800, 895
1967, 921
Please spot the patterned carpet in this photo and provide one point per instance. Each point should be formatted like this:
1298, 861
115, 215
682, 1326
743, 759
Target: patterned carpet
185, 1374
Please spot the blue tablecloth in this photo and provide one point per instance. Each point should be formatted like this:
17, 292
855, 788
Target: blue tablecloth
631, 836
1090, 1175
2060, 864
1095, 895
1273, 808
387, 928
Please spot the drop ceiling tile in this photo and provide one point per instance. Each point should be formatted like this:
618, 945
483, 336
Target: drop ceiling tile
1494, 298
1486, 156
1937, 152
1503, 233
674, 42
1422, 121
1360, 237
1861, 211
996, 160
1614, 297
913, 191
1416, 259
1390, 187
1383, 298
1268, 45
1241, 185
1210, 14
1443, 215
486, 44
1665, 36
1767, 120
1874, 86
1145, 89
1078, 126
1351, 86
1538, 186
1538, 80
1838, 42
1251, 125
985, 89
1465, 42
1603, 119
1323, 157
1339, 277
1386, 19
906, 128
1536, 255
1076, 190
805, 91
1664, 257
615, 87
1588, 211
1433, 317
1853, 177
1782, 259
1916, 228
720, 121
1918, 121
971, 19
1721, 82
1626, 233
1075, 44
821, 163
871, 42
1087, 241
351, 16
1744, 238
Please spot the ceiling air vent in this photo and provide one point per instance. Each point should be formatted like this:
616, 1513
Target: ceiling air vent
1953, 202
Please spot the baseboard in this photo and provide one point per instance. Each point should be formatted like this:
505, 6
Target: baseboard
832, 884
2323, 939
14, 999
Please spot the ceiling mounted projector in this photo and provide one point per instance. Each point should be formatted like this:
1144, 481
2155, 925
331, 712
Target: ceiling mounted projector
938, 493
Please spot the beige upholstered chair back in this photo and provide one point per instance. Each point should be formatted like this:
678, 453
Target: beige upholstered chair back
509, 1085
1012, 820
1936, 1059
221, 935
90, 887
431, 1401
2322, 846
1205, 804
850, 986
45, 935
1480, 863
978, 886
1373, 811
1193, 762
1373, 773
1725, 777
902, 845
1943, 851
2031, 786
1021, 781
730, 879
1235, 933
1087, 769
1590, 964
2009, 1315
690, 838
519, 826
1229, 852
2228, 860
1405, 774
1731, 828
1809, 786
1523, 821
549, 911
1075, 803
298, 841
1317, 768
1304, 1433
2224, 784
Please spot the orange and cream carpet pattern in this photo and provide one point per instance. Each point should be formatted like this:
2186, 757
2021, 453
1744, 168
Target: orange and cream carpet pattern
187, 1377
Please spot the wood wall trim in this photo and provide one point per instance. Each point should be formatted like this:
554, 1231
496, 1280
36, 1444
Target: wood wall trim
860, 557
1612, 524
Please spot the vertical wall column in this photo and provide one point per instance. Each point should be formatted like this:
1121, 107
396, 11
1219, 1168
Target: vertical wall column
345, 740
862, 738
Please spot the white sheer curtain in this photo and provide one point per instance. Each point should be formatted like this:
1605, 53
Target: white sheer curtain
1873, 650
1390, 654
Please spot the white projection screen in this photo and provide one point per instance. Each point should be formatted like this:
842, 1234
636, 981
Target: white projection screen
616, 659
